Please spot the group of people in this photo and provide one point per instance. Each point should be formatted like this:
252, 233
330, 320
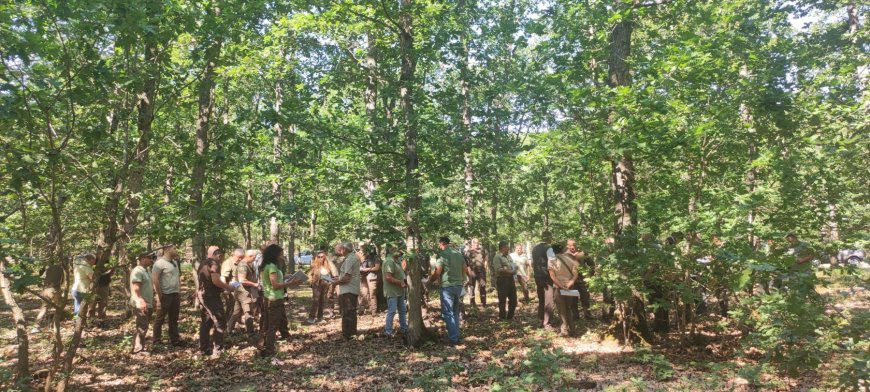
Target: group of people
248, 288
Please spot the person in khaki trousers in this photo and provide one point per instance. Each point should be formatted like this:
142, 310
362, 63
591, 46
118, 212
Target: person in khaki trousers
166, 276
142, 300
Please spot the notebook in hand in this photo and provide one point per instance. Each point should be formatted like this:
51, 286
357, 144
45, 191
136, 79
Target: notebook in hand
298, 275
569, 293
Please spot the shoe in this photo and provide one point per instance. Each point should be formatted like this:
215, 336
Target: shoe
142, 353
310, 321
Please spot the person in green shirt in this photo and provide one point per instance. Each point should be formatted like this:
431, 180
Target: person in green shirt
142, 300
504, 269
448, 268
166, 277
274, 285
394, 291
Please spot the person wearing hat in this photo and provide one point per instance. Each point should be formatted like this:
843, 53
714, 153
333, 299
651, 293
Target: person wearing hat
542, 255
448, 268
213, 320
166, 275
141, 299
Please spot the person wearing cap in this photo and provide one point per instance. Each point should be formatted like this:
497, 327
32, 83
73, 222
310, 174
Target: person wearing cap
394, 290
246, 295
83, 280
504, 269
166, 276
478, 266
213, 321
348, 283
141, 299
448, 268
542, 254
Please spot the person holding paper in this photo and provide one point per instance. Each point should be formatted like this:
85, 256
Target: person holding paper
245, 295
507, 290
274, 315
563, 272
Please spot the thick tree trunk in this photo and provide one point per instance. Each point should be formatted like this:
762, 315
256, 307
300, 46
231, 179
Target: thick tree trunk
202, 127
622, 167
416, 329
22, 368
622, 178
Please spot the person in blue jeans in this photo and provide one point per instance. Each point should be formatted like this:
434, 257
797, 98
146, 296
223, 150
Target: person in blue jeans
394, 291
449, 269
83, 283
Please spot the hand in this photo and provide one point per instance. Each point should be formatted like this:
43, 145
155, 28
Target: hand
404, 285
141, 304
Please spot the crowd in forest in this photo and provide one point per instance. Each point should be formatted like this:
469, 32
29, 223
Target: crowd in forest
247, 288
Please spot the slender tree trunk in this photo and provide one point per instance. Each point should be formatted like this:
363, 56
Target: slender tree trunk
22, 368
276, 158
465, 111
752, 174
249, 207
852, 18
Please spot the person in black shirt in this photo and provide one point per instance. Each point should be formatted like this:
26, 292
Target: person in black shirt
542, 253
213, 321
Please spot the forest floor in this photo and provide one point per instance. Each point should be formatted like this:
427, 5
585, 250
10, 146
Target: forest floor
493, 356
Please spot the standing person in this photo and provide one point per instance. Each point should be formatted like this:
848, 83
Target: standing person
478, 265
370, 272
563, 273
142, 300
52, 280
274, 314
321, 275
228, 274
83, 281
580, 284
213, 320
504, 269
524, 265
348, 288
542, 254
448, 268
246, 295
166, 276
394, 290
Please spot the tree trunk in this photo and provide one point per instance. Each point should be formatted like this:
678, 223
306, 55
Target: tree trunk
416, 330
622, 167
22, 368
276, 158
203, 126
465, 111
